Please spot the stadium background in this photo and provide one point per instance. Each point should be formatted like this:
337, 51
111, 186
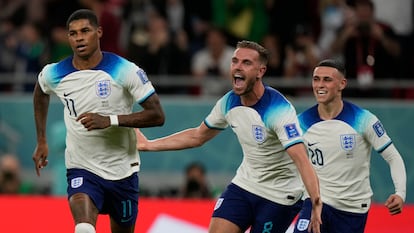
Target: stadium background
21, 60
161, 170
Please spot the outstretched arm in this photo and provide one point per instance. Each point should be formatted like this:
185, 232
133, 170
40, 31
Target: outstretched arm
395, 202
300, 158
188, 138
41, 106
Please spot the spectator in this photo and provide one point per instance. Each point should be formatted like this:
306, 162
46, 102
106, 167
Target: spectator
136, 18
173, 11
275, 65
369, 47
31, 48
213, 61
23, 51
333, 15
284, 16
197, 21
8, 43
196, 184
159, 52
59, 46
10, 176
31, 52
400, 15
302, 54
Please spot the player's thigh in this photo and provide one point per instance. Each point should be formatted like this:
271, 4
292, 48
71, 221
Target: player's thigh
116, 228
272, 217
221, 225
83, 209
235, 205
122, 201
85, 195
342, 221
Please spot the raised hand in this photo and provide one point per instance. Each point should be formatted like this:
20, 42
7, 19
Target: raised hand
141, 140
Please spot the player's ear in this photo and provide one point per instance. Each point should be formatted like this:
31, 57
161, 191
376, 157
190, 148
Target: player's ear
343, 84
99, 31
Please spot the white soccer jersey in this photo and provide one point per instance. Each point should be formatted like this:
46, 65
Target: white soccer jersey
111, 88
340, 151
264, 130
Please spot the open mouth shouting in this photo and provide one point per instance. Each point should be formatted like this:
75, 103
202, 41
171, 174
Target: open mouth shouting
238, 81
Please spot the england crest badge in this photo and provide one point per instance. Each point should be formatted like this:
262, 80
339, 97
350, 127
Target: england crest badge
302, 224
103, 88
348, 142
259, 133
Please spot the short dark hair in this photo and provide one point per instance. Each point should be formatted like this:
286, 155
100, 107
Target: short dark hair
334, 63
83, 14
263, 53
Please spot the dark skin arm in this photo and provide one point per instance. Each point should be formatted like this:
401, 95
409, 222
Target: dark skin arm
41, 107
151, 115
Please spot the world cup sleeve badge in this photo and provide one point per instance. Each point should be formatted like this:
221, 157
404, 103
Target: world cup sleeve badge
291, 131
142, 76
379, 129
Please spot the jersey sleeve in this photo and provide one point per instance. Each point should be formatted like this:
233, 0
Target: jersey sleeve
138, 83
216, 119
42, 79
285, 123
375, 133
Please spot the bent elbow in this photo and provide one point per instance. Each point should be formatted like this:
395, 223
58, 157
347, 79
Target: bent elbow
160, 120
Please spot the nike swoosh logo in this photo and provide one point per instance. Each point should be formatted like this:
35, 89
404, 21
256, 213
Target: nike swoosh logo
311, 144
67, 94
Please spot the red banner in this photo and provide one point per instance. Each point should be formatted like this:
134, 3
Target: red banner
51, 214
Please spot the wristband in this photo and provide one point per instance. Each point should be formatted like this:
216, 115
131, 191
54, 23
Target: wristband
114, 120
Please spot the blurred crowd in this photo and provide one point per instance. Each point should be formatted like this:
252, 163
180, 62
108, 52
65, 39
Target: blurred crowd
12, 179
195, 39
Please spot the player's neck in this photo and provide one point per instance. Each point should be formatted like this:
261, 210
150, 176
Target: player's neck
253, 96
85, 63
330, 110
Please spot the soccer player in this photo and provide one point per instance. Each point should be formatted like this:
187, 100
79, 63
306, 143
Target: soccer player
98, 90
265, 194
339, 136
